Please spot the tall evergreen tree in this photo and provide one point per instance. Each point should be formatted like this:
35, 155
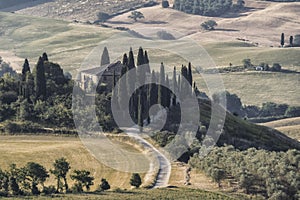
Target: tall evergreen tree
140, 112
25, 69
190, 74
167, 93
146, 59
291, 41
45, 57
141, 73
105, 60
282, 40
161, 82
131, 60
153, 89
125, 64
40, 80
122, 93
175, 87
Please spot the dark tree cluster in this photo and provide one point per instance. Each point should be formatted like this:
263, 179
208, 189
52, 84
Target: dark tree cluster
36, 97
201, 7
274, 175
30, 179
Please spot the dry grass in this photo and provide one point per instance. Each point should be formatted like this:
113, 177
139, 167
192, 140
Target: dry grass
45, 149
290, 127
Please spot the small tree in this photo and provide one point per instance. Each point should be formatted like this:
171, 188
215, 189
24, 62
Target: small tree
209, 25
135, 180
218, 175
105, 60
37, 174
135, 15
291, 40
282, 40
104, 184
276, 67
61, 168
165, 4
83, 178
102, 16
247, 63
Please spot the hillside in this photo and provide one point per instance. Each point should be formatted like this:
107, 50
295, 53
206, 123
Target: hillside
290, 127
242, 134
83, 10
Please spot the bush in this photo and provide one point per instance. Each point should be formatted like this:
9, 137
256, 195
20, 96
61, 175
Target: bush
77, 188
49, 190
293, 111
276, 67
165, 4
209, 25
104, 185
135, 180
102, 16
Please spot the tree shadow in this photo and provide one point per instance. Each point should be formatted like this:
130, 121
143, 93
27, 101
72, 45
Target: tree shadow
226, 29
119, 22
154, 22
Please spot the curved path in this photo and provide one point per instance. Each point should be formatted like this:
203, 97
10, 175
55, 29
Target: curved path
164, 172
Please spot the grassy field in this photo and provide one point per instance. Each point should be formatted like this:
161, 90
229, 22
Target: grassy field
66, 43
290, 127
45, 149
69, 44
164, 193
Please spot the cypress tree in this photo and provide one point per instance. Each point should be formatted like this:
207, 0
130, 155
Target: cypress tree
25, 69
125, 60
141, 74
190, 75
291, 41
179, 84
175, 87
140, 112
45, 57
105, 60
153, 89
131, 60
122, 93
282, 40
146, 59
140, 58
160, 86
40, 80
167, 93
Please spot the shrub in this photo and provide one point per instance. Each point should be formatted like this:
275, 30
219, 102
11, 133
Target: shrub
49, 190
135, 180
77, 188
292, 111
209, 25
104, 185
102, 16
165, 4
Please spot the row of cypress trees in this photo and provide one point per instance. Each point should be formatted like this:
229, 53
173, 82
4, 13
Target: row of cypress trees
150, 94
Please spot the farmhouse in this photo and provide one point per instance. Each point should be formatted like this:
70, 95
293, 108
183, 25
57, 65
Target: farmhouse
103, 76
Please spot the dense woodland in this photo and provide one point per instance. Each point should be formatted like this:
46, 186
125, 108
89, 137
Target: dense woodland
207, 8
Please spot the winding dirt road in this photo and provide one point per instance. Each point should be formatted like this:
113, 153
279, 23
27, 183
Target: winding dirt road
164, 167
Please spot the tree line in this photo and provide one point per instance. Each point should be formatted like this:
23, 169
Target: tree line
211, 8
30, 179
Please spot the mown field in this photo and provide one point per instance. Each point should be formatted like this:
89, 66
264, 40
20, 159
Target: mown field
164, 193
290, 127
45, 149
